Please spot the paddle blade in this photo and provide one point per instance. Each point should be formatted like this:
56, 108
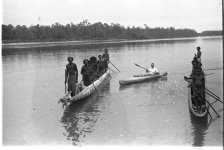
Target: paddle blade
137, 65
209, 74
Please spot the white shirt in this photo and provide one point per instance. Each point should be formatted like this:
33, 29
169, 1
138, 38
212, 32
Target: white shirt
153, 70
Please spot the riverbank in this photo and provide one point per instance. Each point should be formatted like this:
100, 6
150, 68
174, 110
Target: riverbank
85, 42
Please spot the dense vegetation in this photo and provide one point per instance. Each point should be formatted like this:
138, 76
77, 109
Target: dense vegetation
211, 33
86, 30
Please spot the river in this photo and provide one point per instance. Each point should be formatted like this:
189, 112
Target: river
150, 113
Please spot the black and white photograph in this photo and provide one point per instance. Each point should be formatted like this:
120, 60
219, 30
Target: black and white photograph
99, 73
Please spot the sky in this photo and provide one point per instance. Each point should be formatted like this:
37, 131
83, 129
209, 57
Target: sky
200, 15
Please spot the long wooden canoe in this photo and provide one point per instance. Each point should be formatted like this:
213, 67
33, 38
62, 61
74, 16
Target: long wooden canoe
198, 111
87, 91
197, 106
141, 78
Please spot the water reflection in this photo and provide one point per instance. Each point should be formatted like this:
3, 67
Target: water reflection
199, 129
80, 117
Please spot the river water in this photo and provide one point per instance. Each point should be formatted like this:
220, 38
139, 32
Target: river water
149, 113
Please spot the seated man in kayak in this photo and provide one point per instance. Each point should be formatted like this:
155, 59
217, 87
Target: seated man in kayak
152, 70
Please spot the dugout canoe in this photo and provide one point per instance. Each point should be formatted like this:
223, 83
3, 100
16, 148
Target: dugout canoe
141, 78
195, 109
87, 91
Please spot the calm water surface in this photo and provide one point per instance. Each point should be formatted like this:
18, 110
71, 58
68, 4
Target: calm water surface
150, 113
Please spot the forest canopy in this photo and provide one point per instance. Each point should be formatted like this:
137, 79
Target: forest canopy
85, 30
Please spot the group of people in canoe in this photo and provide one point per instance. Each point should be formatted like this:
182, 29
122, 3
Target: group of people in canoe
197, 79
91, 70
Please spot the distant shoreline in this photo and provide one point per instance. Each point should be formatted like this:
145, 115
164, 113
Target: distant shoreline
86, 33
89, 42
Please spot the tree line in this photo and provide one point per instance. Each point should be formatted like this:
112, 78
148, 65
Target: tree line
211, 33
85, 30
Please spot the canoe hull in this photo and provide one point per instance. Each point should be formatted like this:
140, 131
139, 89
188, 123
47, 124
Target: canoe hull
96, 85
200, 112
137, 79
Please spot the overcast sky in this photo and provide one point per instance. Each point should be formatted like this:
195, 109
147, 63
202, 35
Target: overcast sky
195, 14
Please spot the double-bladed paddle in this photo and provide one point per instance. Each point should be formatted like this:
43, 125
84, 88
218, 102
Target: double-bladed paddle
140, 66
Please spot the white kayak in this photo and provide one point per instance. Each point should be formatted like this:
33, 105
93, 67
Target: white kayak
141, 78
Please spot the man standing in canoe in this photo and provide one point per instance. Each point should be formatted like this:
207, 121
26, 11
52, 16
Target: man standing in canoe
199, 54
99, 65
85, 73
152, 70
106, 58
71, 76
196, 66
93, 69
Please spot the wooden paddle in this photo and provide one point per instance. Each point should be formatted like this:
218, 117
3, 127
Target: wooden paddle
210, 105
208, 111
213, 95
113, 65
65, 87
108, 74
66, 77
209, 74
192, 78
213, 69
204, 70
111, 69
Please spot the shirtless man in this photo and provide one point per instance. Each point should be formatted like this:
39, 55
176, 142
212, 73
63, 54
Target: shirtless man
71, 76
106, 58
198, 54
